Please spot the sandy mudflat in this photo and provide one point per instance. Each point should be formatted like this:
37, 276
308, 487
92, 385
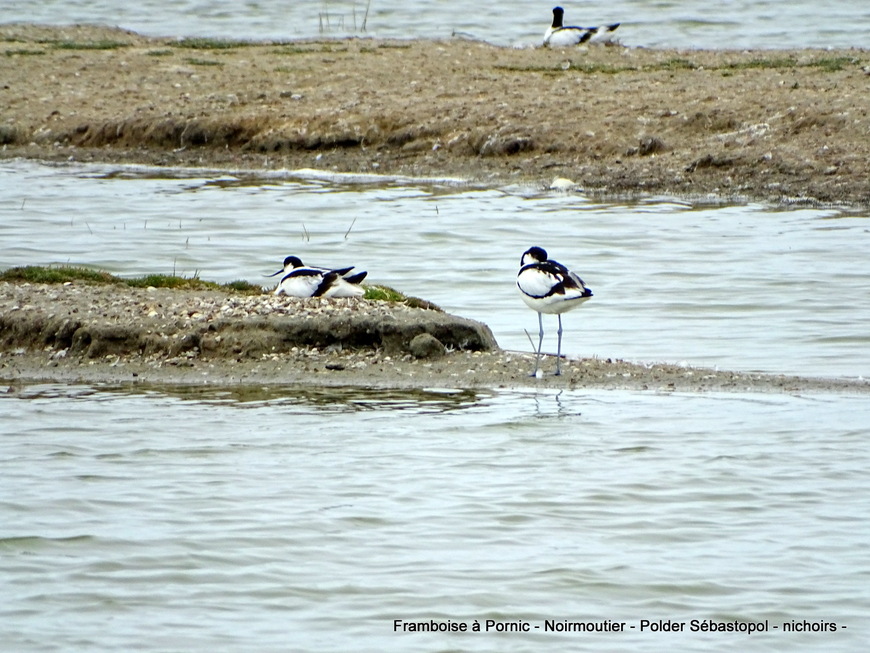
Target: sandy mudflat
779, 125
100, 334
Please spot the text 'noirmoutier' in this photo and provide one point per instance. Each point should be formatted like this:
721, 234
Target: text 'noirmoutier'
609, 626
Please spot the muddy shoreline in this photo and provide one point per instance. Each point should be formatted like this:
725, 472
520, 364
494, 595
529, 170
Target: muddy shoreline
783, 126
84, 333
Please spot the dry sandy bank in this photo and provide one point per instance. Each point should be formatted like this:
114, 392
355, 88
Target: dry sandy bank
780, 125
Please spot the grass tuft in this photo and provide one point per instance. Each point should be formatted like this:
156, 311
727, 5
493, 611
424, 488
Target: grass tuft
212, 44
88, 45
387, 294
383, 294
23, 53
827, 64
39, 274
65, 274
171, 281
245, 287
193, 61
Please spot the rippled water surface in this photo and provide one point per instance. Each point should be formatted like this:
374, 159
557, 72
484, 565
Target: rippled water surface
649, 23
301, 519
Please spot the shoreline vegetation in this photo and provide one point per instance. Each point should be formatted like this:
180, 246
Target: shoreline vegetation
765, 125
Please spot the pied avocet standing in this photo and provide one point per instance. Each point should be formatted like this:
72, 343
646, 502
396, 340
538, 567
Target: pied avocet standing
547, 286
307, 281
562, 36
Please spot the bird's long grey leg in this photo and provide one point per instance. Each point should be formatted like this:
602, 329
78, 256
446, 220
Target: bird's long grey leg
540, 342
559, 348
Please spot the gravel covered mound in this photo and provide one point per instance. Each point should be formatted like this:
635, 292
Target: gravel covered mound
93, 321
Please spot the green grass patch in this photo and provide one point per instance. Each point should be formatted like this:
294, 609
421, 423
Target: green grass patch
827, 64
676, 64
67, 274
245, 287
833, 64
160, 53
383, 294
88, 45
213, 44
39, 274
316, 48
193, 61
23, 53
587, 68
387, 294
762, 64
170, 281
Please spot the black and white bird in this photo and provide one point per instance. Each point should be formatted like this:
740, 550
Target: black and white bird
293, 262
562, 36
547, 286
302, 280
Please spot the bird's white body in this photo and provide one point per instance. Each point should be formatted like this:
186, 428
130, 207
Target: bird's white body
535, 284
565, 37
304, 283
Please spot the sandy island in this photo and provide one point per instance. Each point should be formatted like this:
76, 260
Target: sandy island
783, 126
84, 333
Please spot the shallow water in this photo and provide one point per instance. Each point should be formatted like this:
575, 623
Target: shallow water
745, 287
301, 520
306, 519
649, 23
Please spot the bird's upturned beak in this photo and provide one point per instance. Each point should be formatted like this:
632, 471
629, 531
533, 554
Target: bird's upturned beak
274, 273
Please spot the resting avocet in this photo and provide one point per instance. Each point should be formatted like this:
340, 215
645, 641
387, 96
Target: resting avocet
293, 262
561, 36
547, 286
307, 281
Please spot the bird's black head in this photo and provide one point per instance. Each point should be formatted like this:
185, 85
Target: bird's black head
533, 255
293, 261
558, 12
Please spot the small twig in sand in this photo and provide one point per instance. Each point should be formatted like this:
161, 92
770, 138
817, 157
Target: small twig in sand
347, 233
531, 342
